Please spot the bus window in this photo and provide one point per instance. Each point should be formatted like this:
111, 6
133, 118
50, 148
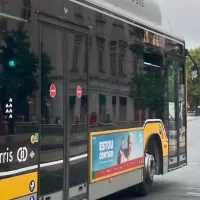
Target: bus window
77, 67
172, 103
52, 117
181, 111
19, 111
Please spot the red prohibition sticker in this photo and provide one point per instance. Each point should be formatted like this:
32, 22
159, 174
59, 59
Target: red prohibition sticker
52, 90
79, 92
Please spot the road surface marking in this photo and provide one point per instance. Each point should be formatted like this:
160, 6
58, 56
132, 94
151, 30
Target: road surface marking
193, 163
193, 194
188, 188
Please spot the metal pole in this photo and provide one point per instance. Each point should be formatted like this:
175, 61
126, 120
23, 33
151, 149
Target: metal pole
66, 136
39, 101
198, 96
66, 124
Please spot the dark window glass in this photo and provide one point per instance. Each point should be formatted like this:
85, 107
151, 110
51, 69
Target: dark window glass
114, 106
123, 109
19, 84
132, 91
100, 60
76, 52
51, 176
182, 111
121, 62
100, 44
172, 107
122, 56
102, 108
113, 57
78, 108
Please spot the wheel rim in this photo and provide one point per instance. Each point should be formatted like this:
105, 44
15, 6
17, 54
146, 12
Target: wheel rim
149, 167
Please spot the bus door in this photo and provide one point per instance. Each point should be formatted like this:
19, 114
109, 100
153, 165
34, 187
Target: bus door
182, 117
176, 113
63, 158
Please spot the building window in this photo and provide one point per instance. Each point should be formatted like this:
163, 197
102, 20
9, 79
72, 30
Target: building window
77, 44
113, 52
101, 60
26, 10
122, 108
75, 58
135, 64
100, 19
99, 15
100, 46
122, 52
102, 107
78, 9
113, 63
114, 99
78, 12
121, 64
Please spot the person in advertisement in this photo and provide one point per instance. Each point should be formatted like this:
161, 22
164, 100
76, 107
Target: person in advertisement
125, 154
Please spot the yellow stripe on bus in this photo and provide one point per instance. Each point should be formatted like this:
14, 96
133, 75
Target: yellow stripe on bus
17, 186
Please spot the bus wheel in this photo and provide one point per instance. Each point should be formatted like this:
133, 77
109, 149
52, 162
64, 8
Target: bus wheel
150, 168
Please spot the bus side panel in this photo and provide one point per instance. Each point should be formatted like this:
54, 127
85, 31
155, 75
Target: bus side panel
123, 181
116, 156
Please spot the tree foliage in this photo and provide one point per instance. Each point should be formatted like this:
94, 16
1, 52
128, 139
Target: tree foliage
46, 82
148, 87
193, 87
145, 86
22, 79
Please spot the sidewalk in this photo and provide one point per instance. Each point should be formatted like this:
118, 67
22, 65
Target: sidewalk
190, 118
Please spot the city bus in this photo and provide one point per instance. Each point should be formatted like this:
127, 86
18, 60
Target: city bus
92, 98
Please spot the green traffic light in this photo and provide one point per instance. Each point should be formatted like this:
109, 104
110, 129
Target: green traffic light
11, 63
171, 67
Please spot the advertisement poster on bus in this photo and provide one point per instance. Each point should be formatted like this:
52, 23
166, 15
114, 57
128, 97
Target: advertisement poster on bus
114, 152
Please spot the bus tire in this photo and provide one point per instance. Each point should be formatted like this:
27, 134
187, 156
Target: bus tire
150, 168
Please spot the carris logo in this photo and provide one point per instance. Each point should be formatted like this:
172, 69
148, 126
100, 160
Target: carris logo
22, 154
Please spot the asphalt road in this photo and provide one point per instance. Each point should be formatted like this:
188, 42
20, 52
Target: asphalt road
181, 184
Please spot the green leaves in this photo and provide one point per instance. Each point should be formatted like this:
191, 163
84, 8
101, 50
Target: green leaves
147, 87
22, 78
137, 49
193, 88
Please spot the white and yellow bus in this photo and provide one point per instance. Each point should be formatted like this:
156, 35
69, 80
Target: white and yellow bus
92, 98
